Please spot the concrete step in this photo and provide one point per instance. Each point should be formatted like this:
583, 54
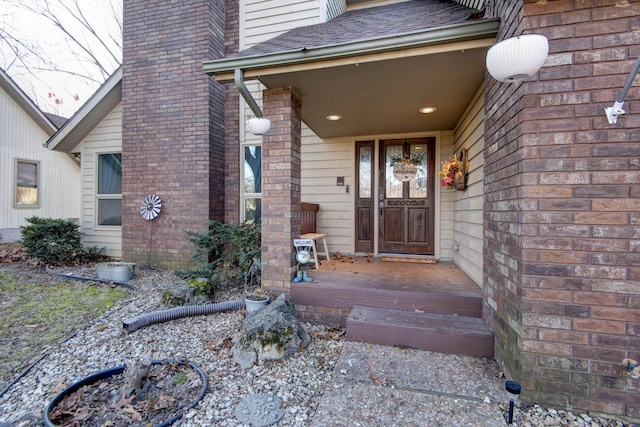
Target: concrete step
414, 329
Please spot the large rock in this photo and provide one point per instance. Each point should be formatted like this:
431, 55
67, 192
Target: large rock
271, 333
194, 292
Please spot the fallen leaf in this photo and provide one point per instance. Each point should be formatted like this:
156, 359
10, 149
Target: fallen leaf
379, 381
61, 385
135, 415
150, 404
99, 328
164, 401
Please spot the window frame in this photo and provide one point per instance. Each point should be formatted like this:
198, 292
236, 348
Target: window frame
98, 196
244, 196
16, 163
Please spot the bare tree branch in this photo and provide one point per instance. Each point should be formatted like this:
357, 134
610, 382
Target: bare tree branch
84, 44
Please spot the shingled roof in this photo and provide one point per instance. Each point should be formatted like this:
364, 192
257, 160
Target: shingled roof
366, 24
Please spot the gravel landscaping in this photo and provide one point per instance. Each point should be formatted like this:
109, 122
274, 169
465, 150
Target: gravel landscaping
96, 343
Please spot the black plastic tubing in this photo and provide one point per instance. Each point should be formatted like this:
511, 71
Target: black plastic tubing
117, 371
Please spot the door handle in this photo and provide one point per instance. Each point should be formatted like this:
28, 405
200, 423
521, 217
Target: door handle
381, 206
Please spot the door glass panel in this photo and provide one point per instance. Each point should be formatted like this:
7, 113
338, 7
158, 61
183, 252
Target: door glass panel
418, 185
393, 187
365, 172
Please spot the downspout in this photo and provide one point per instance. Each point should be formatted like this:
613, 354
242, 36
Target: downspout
242, 88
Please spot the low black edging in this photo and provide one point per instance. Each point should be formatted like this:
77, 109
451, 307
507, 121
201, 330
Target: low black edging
118, 370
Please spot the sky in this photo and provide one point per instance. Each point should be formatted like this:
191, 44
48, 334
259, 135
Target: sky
60, 93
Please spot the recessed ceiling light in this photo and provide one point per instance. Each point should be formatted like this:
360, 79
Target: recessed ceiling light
334, 117
427, 110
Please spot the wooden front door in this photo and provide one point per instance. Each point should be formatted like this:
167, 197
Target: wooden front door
406, 209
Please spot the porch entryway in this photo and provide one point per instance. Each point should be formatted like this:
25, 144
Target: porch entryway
400, 208
434, 307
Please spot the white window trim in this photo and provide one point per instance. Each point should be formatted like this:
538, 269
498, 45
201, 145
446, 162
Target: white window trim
15, 183
246, 196
97, 197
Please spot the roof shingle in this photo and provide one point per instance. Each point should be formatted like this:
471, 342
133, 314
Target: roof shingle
365, 24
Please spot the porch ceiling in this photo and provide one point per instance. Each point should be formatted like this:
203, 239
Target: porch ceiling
383, 96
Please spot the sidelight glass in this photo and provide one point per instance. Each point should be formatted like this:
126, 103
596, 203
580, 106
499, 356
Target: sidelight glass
365, 160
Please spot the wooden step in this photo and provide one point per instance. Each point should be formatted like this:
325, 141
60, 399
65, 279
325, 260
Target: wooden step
338, 296
427, 331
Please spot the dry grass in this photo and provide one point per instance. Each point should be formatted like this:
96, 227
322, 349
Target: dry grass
38, 311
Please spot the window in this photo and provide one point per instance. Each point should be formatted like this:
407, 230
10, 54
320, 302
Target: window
109, 189
26, 179
252, 183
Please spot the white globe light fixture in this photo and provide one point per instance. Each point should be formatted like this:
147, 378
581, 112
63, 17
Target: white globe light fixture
258, 125
515, 59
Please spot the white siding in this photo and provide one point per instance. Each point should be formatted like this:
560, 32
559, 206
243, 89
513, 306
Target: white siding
323, 160
334, 8
476, 4
106, 137
466, 206
59, 180
262, 20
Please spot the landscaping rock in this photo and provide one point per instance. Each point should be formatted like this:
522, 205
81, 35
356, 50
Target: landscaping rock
192, 293
272, 333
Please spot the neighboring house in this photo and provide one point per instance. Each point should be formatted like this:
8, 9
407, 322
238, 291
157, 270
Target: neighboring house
94, 136
33, 180
547, 226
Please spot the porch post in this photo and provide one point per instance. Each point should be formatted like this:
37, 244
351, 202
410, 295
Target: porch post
280, 187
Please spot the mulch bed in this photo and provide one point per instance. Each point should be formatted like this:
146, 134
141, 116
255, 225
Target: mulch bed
168, 390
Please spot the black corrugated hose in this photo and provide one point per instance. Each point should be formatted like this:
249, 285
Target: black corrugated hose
179, 312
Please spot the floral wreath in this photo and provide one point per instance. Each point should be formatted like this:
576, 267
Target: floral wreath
415, 160
453, 172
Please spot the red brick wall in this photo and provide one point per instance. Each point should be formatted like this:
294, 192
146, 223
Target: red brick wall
280, 187
232, 123
173, 130
562, 196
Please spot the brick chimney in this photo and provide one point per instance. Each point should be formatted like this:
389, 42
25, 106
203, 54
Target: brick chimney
173, 126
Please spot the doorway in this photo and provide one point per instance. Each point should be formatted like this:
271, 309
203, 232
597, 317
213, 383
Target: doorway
403, 203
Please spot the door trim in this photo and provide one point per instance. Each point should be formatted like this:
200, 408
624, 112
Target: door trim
439, 136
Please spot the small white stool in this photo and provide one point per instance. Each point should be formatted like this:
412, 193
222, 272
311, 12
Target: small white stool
314, 237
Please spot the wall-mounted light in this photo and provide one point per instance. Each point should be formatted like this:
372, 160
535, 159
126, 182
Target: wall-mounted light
616, 110
517, 58
258, 125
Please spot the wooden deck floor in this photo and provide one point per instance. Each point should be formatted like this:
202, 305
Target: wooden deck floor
373, 273
435, 307
440, 288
